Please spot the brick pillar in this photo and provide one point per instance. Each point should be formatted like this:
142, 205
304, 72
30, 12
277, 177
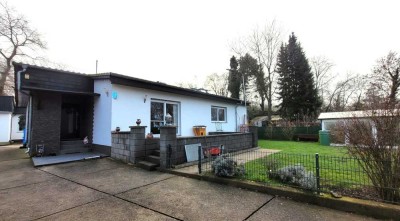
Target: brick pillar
254, 131
167, 138
137, 141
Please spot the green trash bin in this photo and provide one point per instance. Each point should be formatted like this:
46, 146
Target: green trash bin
324, 137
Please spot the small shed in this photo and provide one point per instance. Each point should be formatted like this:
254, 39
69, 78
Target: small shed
6, 110
329, 119
12, 120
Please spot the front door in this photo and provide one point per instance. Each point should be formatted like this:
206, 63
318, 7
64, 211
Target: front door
70, 121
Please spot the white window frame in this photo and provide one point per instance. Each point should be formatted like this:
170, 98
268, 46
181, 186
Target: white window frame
225, 113
165, 102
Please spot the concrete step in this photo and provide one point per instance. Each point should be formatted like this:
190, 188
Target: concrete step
147, 165
71, 142
71, 146
153, 159
156, 153
75, 150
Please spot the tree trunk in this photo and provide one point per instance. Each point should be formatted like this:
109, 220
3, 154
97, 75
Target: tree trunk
3, 78
269, 100
262, 104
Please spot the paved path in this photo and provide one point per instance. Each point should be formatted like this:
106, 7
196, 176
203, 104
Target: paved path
105, 189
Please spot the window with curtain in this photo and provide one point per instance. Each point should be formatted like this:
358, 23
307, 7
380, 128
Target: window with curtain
218, 114
160, 109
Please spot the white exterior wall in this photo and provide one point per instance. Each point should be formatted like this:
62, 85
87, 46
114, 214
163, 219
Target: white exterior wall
102, 113
16, 134
5, 127
130, 106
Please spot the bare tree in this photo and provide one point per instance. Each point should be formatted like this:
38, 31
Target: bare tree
346, 92
263, 45
18, 40
386, 76
321, 67
217, 83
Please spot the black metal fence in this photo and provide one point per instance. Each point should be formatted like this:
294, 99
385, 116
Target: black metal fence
317, 173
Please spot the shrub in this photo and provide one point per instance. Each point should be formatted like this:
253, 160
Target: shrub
226, 167
271, 165
296, 175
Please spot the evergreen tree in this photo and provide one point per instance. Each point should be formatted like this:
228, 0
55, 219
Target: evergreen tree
297, 92
234, 81
248, 68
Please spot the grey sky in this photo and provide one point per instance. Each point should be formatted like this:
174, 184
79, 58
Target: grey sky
174, 41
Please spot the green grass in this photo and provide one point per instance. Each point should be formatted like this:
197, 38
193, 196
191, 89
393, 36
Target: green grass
303, 148
337, 168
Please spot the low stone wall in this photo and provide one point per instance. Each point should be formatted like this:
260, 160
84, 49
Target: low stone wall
132, 146
120, 146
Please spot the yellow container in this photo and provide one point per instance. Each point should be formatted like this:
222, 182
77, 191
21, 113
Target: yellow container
199, 130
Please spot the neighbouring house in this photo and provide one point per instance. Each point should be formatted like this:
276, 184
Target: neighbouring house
12, 120
262, 121
65, 107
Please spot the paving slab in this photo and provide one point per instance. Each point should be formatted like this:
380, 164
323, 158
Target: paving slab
118, 180
284, 209
189, 199
65, 158
12, 152
79, 168
42, 199
15, 164
22, 176
110, 208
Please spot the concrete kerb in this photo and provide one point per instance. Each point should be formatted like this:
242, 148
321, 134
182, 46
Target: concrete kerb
377, 210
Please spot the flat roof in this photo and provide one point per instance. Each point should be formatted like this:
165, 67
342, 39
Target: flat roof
145, 84
159, 86
351, 114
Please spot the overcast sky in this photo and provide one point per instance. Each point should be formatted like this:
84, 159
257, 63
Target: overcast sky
177, 41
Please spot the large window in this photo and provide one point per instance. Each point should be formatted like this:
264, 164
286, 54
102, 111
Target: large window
218, 114
160, 109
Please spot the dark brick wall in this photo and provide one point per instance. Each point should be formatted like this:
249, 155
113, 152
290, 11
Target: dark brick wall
46, 119
46, 122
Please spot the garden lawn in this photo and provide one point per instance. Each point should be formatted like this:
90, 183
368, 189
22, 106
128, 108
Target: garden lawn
303, 148
337, 168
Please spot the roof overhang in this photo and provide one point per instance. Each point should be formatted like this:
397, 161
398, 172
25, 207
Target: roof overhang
158, 86
61, 91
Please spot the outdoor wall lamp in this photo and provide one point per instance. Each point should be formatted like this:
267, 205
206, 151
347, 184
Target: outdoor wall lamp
145, 98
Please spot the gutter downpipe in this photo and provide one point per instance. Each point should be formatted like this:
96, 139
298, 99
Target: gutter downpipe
28, 121
236, 118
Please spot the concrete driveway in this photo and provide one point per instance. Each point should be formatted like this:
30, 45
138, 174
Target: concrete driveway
105, 189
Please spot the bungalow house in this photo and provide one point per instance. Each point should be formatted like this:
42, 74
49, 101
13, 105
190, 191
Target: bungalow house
11, 120
65, 107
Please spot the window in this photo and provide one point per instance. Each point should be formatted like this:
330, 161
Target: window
159, 109
218, 114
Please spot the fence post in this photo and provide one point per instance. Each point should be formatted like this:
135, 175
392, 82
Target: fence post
317, 173
199, 161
